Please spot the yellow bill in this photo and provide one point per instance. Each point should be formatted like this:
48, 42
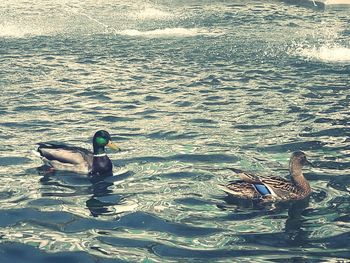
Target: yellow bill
113, 146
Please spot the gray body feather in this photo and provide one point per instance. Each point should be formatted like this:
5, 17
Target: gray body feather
65, 157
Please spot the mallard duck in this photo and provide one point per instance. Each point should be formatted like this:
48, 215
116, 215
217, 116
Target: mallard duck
272, 188
70, 158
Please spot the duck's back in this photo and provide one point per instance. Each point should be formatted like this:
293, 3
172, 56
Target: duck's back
66, 156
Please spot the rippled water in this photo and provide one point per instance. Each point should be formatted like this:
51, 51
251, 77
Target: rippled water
185, 89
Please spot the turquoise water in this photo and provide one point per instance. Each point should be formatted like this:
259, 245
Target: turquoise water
186, 88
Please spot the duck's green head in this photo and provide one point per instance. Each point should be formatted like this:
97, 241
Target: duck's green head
100, 140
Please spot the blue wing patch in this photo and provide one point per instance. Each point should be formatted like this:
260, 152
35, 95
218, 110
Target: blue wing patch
262, 189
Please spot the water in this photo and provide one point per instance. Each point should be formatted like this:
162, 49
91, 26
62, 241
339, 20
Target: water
185, 89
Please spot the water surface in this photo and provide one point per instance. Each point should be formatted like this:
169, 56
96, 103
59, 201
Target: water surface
186, 89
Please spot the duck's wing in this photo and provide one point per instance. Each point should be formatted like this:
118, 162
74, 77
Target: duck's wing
65, 154
278, 183
277, 186
280, 186
246, 177
241, 189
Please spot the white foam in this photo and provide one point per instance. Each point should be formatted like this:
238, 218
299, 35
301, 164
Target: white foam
326, 53
18, 31
150, 13
167, 32
7, 30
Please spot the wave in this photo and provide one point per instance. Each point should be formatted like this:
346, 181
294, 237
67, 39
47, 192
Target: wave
167, 32
325, 53
150, 13
8, 30
18, 31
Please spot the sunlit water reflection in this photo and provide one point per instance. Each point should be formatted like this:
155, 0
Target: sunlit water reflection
185, 89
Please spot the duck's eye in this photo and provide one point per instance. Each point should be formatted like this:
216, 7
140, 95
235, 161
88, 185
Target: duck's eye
304, 160
101, 141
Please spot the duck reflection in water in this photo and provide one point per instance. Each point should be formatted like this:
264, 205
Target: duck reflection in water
98, 190
295, 232
296, 224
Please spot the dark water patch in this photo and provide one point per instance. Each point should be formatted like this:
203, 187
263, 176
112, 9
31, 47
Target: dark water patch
344, 219
332, 165
253, 126
206, 158
191, 201
129, 107
332, 110
150, 117
126, 242
214, 98
98, 95
171, 90
151, 98
69, 223
51, 91
305, 117
70, 185
340, 182
203, 121
313, 95
88, 60
255, 103
116, 119
12, 217
142, 221
296, 258
134, 93
340, 241
172, 135
20, 253
148, 112
217, 103
28, 108
12, 160
4, 112
294, 146
207, 254
32, 124
335, 132
296, 109
6, 195
137, 78
67, 179
340, 204
209, 80
90, 92
330, 121
178, 175
70, 81
290, 238
169, 251
102, 199
318, 196
99, 207
183, 103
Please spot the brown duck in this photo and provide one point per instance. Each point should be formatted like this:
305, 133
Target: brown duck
272, 188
